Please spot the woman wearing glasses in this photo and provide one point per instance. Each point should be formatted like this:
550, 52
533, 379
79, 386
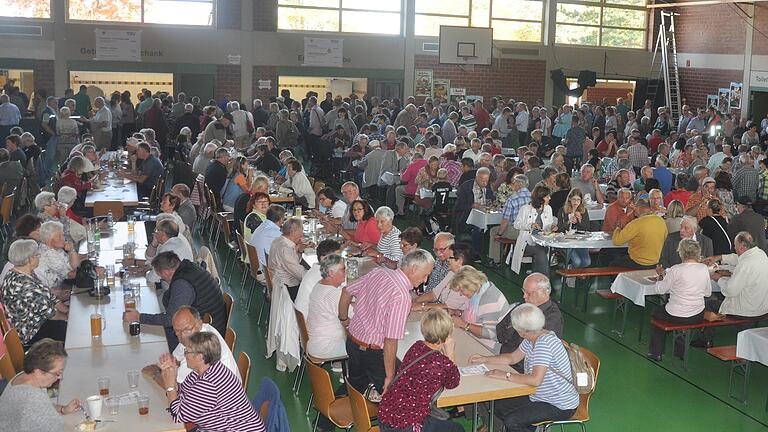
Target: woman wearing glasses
25, 404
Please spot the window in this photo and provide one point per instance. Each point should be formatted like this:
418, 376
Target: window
512, 20
25, 8
347, 16
607, 23
182, 12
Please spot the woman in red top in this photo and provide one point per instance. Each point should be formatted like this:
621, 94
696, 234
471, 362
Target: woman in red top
608, 147
366, 235
71, 176
427, 367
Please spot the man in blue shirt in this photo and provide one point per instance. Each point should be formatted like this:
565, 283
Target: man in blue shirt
520, 197
10, 116
663, 175
148, 173
267, 232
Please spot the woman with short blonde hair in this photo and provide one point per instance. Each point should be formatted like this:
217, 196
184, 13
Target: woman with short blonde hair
487, 306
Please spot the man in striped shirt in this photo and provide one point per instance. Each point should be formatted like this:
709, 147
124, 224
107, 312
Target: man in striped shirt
381, 309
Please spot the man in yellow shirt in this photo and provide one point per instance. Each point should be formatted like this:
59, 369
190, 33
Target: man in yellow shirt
645, 236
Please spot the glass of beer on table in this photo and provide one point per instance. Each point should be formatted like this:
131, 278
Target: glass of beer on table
143, 402
129, 300
97, 325
103, 383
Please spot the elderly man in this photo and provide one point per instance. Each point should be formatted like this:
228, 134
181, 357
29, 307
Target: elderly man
441, 246
167, 238
216, 173
58, 258
394, 162
186, 119
219, 129
697, 203
10, 116
623, 179
186, 209
746, 179
204, 158
266, 161
371, 165
520, 197
381, 309
148, 173
471, 194
101, 124
186, 322
188, 285
11, 172
620, 212
689, 229
663, 174
351, 192
699, 173
645, 236
646, 172
587, 183
312, 276
285, 261
748, 220
267, 232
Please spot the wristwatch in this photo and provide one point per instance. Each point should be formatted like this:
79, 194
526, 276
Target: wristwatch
466, 327
508, 375
170, 389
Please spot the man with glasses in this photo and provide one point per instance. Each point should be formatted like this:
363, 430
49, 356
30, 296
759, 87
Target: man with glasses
186, 322
440, 246
167, 238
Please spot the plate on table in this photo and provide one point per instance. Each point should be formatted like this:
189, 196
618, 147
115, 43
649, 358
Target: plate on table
99, 189
653, 279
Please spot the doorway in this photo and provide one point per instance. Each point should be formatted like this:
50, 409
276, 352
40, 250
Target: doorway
105, 83
758, 104
604, 89
300, 85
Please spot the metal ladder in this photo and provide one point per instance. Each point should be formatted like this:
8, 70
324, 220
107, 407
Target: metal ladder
664, 67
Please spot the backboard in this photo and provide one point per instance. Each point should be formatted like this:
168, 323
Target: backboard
466, 45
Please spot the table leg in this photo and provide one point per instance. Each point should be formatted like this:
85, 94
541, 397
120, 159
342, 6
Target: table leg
475, 417
491, 417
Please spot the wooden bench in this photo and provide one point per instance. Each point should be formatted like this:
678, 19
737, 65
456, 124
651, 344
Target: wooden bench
737, 366
686, 330
507, 244
586, 272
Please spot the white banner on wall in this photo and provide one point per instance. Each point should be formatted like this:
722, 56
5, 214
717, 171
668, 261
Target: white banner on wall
323, 52
118, 45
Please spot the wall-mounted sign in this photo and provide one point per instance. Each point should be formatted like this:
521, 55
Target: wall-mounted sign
118, 45
759, 78
323, 52
233, 59
457, 91
265, 84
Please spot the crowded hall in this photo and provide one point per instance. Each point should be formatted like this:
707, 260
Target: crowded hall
391, 215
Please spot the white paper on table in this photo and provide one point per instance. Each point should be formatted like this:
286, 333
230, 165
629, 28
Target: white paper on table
480, 369
128, 398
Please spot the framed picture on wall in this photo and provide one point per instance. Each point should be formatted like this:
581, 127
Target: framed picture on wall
712, 101
423, 83
441, 87
723, 96
735, 97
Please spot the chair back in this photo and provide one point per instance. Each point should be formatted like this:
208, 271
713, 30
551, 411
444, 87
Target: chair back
207, 318
228, 303
225, 229
318, 185
582, 412
211, 200
102, 208
5, 325
7, 370
6, 208
244, 366
230, 337
15, 349
253, 259
205, 256
303, 332
241, 244
322, 388
360, 413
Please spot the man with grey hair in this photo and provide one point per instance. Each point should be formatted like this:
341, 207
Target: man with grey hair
382, 305
285, 260
746, 179
689, 229
101, 124
186, 209
204, 158
506, 230
10, 116
313, 275
587, 183
186, 118
394, 162
179, 108
748, 220
167, 238
440, 246
473, 194
644, 236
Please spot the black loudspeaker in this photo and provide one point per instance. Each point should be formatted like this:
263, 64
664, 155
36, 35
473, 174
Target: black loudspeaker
558, 79
641, 93
587, 78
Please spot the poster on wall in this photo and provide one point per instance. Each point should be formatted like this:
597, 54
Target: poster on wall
323, 52
441, 88
712, 101
118, 45
735, 97
423, 83
723, 96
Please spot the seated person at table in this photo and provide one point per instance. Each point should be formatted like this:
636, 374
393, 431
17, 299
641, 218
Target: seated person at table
333, 206
186, 209
66, 199
442, 296
387, 251
269, 230
715, 227
546, 361
621, 181
32, 308
266, 161
410, 239
25, 404
487, 306
327, 337
748, 220
216, 173
72, 177
147, 174
186, 322
687, 283
620, 212
167, 239
312, 276
58, 258
285, 261
204, 158
188, 285
689, 229
645, 237
298, 184
697, 203
536, 216
259, 205
236, 183
674, 215
406, 405
574, 216
366, 234
517, 200
27, 227
211, 397
440, 245
49, 210
588, 184
169, 204
656, 199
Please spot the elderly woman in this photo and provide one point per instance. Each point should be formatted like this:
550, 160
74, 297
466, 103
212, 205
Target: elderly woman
67, 132
211, 396
487, 306
546, 367
66, 200
49, 210
58, 258
426, 177
442, 296
25, 405
575, 217
366, 235
387, 250
410, 239
687, 284
674, 216
72, 175
32, 307
427, 368
327, 336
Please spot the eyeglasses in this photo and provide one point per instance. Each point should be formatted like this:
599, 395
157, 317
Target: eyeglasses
58, 374
186, 351
442, 249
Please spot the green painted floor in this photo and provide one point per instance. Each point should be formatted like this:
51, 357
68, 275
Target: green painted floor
632, 394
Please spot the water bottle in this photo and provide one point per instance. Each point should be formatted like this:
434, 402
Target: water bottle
97, 239
90, 238
110, 220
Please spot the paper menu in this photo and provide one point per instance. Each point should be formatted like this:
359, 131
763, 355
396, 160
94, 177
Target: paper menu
480, 369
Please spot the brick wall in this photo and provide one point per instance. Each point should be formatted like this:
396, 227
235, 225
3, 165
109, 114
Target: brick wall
227, 81
264, 73
522, 80
760, 40
228, 14
711, 29
696, 84
265, 15
42, 74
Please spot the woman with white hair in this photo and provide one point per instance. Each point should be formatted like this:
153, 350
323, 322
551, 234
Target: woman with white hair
546, 367
67, 132
77, 166
58, 258
31, 306
327, 336
49, 210
66, 199
387, 250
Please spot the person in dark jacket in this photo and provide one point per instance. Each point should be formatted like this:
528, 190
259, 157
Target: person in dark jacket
260, 115
748, 220
689, 229
188, 285
471, 194
266, 161
187, 119
216, 173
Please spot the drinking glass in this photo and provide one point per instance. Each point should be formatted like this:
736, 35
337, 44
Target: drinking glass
103, 383
110, 272
143, 403
129, 300
98, 323
133, 378
113, 405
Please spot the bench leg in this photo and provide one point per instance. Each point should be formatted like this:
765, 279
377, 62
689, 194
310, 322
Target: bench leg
739, 367
621, 305
687, 335
587, 287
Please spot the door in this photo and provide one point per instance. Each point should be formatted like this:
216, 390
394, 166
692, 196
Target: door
388, 89
758, 105
200, 85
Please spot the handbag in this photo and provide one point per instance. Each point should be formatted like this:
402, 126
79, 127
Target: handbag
434, 411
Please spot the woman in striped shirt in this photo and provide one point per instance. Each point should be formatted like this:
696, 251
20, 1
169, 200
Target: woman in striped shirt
387, 250
211, 397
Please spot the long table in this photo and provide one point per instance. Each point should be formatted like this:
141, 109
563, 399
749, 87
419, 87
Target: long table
114, 189
119, 237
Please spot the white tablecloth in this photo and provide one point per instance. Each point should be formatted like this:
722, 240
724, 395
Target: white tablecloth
427, 193
483, 219
592, 240
115, 189
752, 345
635, 287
